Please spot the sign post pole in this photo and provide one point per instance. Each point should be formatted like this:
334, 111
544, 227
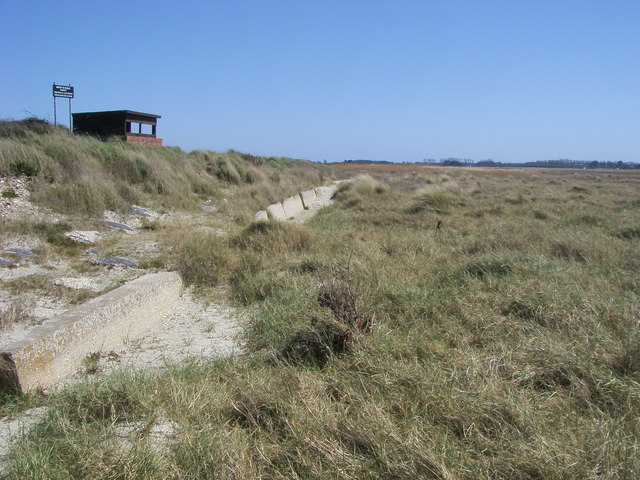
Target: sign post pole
55, 117
70, 119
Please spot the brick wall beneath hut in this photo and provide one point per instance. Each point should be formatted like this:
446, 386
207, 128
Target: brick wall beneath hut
144, 141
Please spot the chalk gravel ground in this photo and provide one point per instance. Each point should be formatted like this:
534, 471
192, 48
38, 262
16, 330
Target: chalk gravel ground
190, 330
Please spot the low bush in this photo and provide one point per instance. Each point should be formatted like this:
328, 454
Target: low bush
317, 343
347, 297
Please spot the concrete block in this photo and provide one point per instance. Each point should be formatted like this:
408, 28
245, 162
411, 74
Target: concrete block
292, 206
325, 192
261, 216
308, 198
276, 212
58, 347
86, 236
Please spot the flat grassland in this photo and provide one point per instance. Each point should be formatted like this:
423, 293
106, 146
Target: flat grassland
432, 323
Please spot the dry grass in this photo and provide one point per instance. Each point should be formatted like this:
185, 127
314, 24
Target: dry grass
83, 175
18, 310
438, 201
201, 257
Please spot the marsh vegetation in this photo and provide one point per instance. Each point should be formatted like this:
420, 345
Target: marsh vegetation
432, 323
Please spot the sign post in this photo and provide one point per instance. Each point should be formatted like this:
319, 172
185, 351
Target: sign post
64, 91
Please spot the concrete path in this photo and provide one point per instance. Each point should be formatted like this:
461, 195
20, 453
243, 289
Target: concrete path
191, 329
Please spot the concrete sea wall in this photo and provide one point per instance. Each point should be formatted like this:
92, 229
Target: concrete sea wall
290, 207
59, 346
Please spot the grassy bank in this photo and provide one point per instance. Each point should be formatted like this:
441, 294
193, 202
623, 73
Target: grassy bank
83, 175
430, 324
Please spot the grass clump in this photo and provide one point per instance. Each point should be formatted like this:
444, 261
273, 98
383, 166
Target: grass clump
625, 360
318, 342
82, 198
437, 201
362, 184
540, 215
201, 257
532, 308
18, 310
273, 236
628, 233
567, 251
223, 168
54, 234
489, 266
26, 127
8, 193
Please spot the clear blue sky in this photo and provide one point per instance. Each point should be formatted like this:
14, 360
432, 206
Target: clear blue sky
399, 80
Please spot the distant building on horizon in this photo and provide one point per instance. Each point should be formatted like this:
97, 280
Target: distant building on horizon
132, 127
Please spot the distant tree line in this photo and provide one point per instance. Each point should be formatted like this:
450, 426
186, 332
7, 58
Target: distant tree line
366, 161
560, 163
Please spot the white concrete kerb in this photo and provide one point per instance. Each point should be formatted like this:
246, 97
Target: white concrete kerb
58, 347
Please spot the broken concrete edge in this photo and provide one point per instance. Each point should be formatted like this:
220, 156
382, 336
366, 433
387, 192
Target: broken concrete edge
309, 198
261, 216
86, 236
292, 206
59, 346
276, 212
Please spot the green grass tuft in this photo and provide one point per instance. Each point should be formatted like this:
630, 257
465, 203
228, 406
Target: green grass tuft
437, 201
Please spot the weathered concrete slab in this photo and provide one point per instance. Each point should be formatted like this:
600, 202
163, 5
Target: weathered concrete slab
58, 348
276, 212
261, 216
143, 212
116, 261
85, 236
77, 283
20, 252
292, 206
326, 191
119, 226
308, 198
